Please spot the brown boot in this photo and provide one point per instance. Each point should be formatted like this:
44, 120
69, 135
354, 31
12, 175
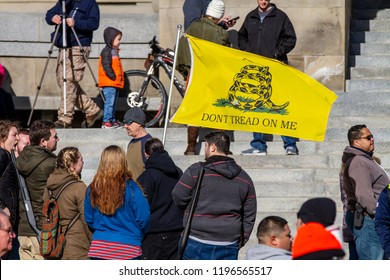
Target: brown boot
192, 135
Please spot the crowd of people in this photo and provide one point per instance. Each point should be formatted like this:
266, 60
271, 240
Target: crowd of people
140, 204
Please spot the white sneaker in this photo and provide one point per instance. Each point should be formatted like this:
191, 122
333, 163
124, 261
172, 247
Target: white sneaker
290, 151
253, 152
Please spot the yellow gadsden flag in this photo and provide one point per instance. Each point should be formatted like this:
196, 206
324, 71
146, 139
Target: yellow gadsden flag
235, 90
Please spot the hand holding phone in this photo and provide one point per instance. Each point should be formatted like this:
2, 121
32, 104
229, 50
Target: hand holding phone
231, 20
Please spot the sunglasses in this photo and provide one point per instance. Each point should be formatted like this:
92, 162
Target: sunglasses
368, 137
128, 122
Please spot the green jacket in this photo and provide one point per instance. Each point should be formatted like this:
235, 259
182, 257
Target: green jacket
35, 164
204, 29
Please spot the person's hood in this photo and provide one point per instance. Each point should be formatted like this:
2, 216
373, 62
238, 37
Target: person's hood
31, 157
264, 252
351, 151
59, 178
109, 35
161, 161
223, 165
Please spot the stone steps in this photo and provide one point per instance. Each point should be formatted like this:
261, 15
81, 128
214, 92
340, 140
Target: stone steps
369, 57
374, 61
368, 14
362, 48
367, 72
369, 85
373, 25
370, 36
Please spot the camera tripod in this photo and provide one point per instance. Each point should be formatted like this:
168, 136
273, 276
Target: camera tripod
64, 46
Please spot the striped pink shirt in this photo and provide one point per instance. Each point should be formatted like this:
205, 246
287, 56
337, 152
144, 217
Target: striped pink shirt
113, 250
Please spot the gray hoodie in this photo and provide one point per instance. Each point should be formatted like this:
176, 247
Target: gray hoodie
265, 252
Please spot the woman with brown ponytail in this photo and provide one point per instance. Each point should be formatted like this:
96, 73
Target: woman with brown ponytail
71, 202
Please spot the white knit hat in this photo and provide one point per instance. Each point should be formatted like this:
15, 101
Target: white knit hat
216, 9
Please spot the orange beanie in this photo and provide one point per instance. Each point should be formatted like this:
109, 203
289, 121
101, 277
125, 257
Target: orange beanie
314, 242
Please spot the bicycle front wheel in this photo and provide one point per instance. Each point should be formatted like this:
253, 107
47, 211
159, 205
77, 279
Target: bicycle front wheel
154, 100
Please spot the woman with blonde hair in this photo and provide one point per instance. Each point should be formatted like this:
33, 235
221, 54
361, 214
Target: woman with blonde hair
67, 174
116, 209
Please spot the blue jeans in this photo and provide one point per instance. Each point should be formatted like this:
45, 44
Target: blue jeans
367, 242
259, 143
111, 96
199, 251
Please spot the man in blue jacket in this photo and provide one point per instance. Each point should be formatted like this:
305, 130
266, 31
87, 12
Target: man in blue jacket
83, 17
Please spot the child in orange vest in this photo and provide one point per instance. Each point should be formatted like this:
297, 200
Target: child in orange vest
111, 77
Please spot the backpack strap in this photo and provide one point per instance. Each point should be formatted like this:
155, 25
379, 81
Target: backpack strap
62, 188
56, 196
72, 222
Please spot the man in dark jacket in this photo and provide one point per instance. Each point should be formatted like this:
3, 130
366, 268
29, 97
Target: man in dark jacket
35, 163
166, 220
364, 180
83, 17
268, 31
226, 210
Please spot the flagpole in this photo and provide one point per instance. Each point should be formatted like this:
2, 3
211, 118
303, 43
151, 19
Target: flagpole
179, 27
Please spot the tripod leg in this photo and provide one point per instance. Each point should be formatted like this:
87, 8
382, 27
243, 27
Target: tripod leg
64, 45
43, 75
89, 66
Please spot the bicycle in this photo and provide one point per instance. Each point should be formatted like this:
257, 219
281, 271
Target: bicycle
145, 89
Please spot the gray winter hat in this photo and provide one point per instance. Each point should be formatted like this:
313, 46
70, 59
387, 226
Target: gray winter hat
135, 115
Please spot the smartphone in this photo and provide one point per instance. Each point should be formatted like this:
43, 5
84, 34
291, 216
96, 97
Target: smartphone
230, 20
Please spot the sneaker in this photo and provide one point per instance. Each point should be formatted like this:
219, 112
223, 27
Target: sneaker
253, 152
291, 151
108, 125
90, 121
61, 124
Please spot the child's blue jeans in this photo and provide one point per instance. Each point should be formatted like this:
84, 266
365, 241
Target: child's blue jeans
111, 96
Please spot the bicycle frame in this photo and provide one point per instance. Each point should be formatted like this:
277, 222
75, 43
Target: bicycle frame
166, 63
146, 89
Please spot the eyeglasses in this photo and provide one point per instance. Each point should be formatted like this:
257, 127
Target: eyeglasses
368, 137
128, 122
10, 231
